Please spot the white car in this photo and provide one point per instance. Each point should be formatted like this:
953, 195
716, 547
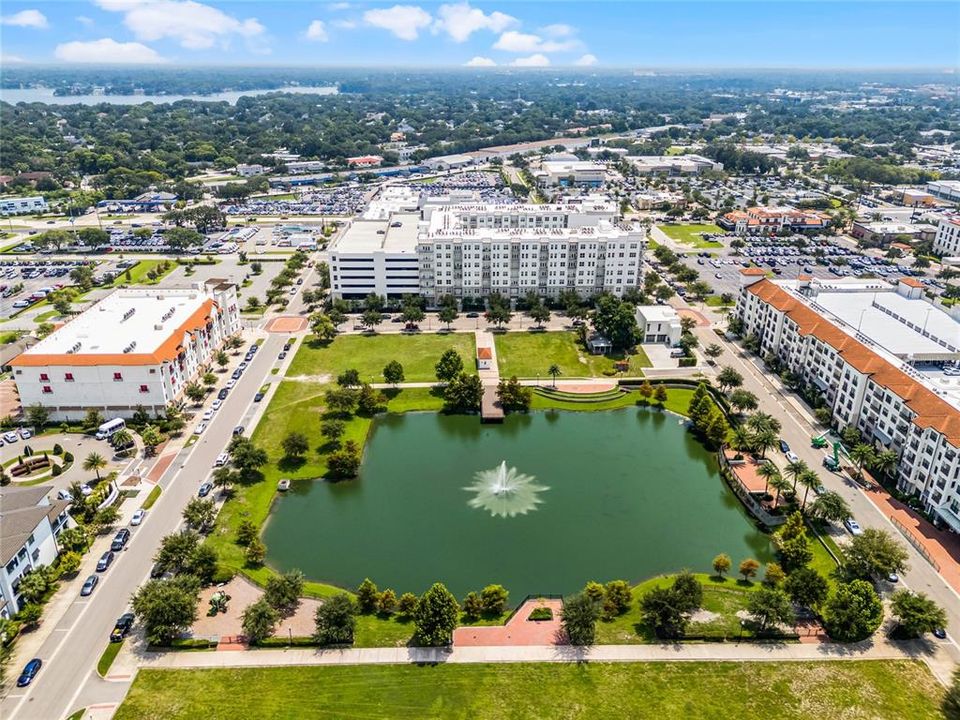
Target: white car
86, 490
198, 430
215, 405
25, 434
230, 383
208, 415
791, 456
222, 459
138, 517
853, 526
10, 437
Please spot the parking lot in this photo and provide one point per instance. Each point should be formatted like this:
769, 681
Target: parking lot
345, 200
26, 281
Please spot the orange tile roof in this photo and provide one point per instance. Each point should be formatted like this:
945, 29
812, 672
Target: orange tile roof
910, 282
931, 411
753, 271
168, 349
484, 353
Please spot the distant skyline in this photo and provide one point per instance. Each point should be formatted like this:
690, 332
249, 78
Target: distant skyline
771, 34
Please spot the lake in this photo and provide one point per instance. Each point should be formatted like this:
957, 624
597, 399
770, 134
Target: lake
630, 494
45, 95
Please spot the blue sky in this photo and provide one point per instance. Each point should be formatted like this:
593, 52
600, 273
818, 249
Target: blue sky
406, 32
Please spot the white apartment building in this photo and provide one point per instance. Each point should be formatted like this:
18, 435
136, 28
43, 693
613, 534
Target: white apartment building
658, 324
947, 240
250, 170
136, 347
29, 525
890, 401
473, 250
22, 205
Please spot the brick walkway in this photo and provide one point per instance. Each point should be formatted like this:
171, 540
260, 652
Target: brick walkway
518, 630
160, 467
286, 324
942, 546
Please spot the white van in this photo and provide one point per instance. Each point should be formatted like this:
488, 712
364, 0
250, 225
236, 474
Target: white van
109, 428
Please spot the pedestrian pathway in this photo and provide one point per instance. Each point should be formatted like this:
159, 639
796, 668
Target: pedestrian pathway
518, 630
939, 657
486, 344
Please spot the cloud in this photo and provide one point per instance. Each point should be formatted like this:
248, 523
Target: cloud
11, 59
317, 31
460, 21
105, 51
404, 21
84, 20
338, 6
586, 60
194, 25
345, 24
478, 61
536, 60
26, 18
518, 42
559, 30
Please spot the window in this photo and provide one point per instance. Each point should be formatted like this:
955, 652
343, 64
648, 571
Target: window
47, 389
68, 377
117, 377
44, 376
144, 388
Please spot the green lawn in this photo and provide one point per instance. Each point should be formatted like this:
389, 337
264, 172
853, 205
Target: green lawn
527, 354
691, 690
368, 354
294, 406
690, 234
109, 655
138, 273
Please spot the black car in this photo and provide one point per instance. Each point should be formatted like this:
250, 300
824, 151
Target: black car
784, 448
258, 397
120, 539
236, 374
286, 347
281, 356
156, 571
89, 584
222, 395
104, 562
238, 430
122, 627
30, 671
472, 315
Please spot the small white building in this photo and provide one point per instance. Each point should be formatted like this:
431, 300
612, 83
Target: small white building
250, 170
567, 173
136, 347
449, 162
658, 324
484, 358
22, 205
29, 525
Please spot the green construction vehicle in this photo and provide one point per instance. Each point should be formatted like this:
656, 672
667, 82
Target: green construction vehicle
819, 441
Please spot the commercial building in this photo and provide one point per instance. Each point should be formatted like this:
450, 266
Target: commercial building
658, 324
674, 164
871, 370
22, 205
569, 173
364, 161
29, 525
136, 347
947, 240
250, 170
887, 232
296, 167
911, 197
767, 220
945, 190
449, 162
474, 249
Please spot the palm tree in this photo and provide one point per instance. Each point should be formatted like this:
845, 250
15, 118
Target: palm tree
781, 485
809, 479
761, 421
794, 469
121, 438
94, 461
768, 471
862, 454
764, 440
886, 462
554, 370
830, 506
742, 438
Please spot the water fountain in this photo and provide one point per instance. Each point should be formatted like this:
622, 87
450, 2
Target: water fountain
505, 492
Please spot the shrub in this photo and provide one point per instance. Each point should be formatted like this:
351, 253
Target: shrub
387, 602
617, 598
472, 607
30, 615
68, 457
493, 598
541, 613
335, 621
407, 605
367, 596
57, 470
57, 449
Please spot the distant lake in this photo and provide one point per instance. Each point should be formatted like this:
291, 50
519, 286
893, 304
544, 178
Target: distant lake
45, 95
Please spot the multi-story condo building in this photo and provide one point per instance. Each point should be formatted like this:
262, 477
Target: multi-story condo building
136, 347
947, 241
29, 525
891, 400
473, 250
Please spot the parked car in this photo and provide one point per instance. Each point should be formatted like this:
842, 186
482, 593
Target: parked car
105, 560
238, 430
222, 395
120, 539
893, 578
940, 633
784, 448
138, 517
198, 430
258, 397
229, 384
205, 489
222, 459
281, 356
25, 434
29, 672
791, 456
853, 526
10, 437
89, 584
216, 404
122, 627
208, 415
157, 571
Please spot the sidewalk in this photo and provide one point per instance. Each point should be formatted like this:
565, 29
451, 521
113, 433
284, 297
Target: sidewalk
938, 657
